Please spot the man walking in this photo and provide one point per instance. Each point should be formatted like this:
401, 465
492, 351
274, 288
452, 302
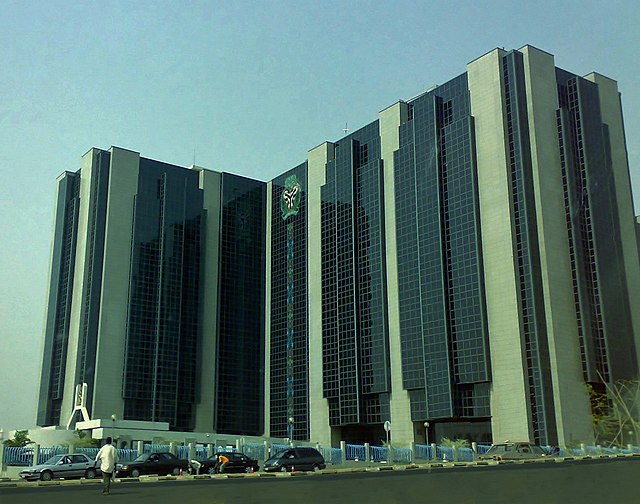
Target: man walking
109, 457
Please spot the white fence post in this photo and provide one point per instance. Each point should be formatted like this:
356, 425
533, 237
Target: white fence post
343, 450
367, 453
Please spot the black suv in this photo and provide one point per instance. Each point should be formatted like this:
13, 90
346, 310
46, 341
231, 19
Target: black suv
296, 459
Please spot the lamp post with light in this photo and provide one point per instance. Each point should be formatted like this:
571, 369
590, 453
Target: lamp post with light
113, 427
426, 432
290, 429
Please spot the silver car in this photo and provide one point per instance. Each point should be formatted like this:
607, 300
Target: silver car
74, 465
513, 451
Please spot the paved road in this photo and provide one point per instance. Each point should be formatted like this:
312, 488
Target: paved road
585, 482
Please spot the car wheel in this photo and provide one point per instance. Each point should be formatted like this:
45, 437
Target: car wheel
316, 467
46, 476
175, 471
283, 469
135, 473
211, 470
90, 474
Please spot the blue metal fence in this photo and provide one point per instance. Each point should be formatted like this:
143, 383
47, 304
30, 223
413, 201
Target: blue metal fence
18, 455
277, 448
423, 452
154, 448
401, 455
378, 453
90, 452
331, 455
126, 454
444, 453
355, 452
254, 450
46, 453
466, 455
482, 449
182, 452
24, 455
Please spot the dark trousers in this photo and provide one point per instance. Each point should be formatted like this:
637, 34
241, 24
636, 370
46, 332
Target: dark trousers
106, 482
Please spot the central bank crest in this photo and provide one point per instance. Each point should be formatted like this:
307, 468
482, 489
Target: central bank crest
290, 201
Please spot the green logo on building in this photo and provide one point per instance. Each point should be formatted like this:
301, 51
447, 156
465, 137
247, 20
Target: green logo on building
290, 201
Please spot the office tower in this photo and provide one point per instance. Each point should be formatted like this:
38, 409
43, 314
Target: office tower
147, 302
471, 263
466, 265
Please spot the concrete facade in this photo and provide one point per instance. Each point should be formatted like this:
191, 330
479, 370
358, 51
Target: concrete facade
548, 364
401, 424
319, 418
509, 406
570, 395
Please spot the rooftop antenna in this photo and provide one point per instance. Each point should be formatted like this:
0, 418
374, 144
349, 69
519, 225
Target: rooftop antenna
345, 130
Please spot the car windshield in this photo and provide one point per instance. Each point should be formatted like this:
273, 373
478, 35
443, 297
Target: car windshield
53, 460
141, 458
499, 448
276, 456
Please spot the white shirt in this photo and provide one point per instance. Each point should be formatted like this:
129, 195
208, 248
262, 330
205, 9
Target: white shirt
109, 457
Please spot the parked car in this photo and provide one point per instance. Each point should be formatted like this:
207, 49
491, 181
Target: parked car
300, 459
513, 451
153, 463
75, 465
238, 462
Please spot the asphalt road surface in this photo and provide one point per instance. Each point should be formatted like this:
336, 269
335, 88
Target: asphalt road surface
584, 482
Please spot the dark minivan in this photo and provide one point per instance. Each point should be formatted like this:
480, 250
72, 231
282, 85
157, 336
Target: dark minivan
296, 459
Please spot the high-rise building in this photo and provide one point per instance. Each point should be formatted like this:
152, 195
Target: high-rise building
464, 266
156, 284
471, 264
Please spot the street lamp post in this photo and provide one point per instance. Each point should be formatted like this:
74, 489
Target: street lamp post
113, 427
290, 429
426, 432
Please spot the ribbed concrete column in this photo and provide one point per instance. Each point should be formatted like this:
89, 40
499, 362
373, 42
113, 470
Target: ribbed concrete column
611, 110
402, 427
571, 400
318, 406
509, 405
112, 327
211, 183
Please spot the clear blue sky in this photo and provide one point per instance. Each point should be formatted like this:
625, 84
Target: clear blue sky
251, 86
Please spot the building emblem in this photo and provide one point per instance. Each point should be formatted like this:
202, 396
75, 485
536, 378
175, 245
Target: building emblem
290, 201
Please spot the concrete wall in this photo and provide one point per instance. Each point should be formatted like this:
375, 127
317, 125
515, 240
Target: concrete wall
211, 183
267, 315
319, 429
86, 167
112, 327
401, 425
611, 109
571, 400
509, 405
